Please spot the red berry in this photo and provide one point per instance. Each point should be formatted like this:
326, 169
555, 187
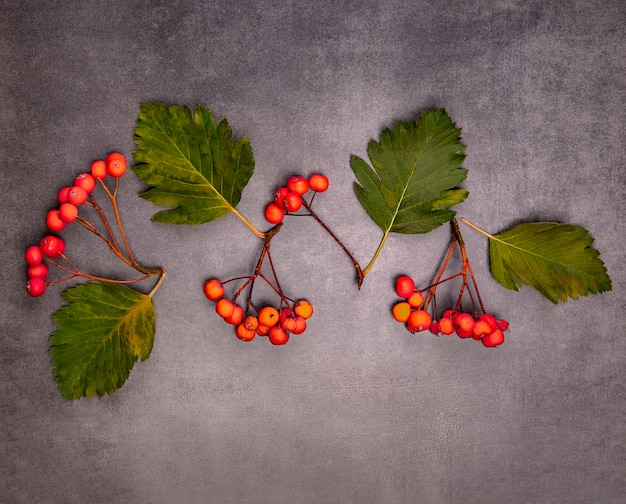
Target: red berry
446, 327
298, 184
213, 289
419, 320
493, 339
490, 319
278, 336
463, 321
300, 326
68, 212
224, 308
502, 324
33, 255
99, 169
434, 327
35, 287
86, 181
415, 299
62, 194
401, 311
285, 313
116, 164
52, 246
245, 334
481, 328
37, 271
77, 196
289, 324
404, 286
279, 195
292, 201
318, 182
54, 221
236, 317
274, 214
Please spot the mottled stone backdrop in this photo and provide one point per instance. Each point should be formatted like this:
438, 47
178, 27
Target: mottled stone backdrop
356, 410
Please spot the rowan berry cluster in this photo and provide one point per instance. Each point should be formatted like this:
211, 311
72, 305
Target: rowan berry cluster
413, 312
276, 324
71, 199
289, 198
417, 310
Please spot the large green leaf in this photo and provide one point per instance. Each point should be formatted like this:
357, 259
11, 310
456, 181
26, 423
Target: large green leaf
556, 259
101, 332
416, 168
190, 162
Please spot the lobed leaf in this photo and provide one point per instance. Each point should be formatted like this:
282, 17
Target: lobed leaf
555, 259
416, 168
102, 331
191, 163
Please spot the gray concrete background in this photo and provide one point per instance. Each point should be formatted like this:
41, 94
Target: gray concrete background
356, 410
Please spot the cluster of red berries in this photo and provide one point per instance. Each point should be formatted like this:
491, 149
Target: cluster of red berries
70, 198
413, 313
288, 199
277, 325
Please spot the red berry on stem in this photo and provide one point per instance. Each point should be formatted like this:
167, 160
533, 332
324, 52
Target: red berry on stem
300, 326
274, 214
278, 336
490, 319
99, 169
404, 286
493, 339
54, 222
33, 255
213, 289
502, 324
86, 181
481, 328
236, 317
279, 195
35, 287
62, 194
298, 184
224, 308
245, 334
77, 196
318, 182
463, 321
419, 320
292, 201
52, 246
446, 327
116, 164
415, 299
37, 271
401, 311
68, 212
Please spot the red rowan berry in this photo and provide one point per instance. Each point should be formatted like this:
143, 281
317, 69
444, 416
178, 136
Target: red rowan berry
116, 164
99, 169
493, 339
415, 299
445, 326
77, 196
285, 313
54, 222
298, 184
52, 246
274, 214
463, 321
213, 289
481, 328
490, 319
318, 182
289, 324
62, 194
224, 308
251, 322
279, 195
33, 255
68, 212
268, 316
434, 327
37, 271
404, 286
419, 320
236, 317
245, 334
502, 324
300, 326
35, 287
303, 309
262, 330
292, 201
86, 181
278, 336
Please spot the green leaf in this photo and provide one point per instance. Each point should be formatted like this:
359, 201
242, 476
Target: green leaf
555, 259
101, 333
416, 168
191, 163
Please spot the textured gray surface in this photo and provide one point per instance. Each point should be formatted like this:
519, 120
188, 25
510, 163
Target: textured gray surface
357, 410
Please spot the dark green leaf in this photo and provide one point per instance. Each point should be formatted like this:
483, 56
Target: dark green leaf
101, 332
191, 163
555, 259
416, 168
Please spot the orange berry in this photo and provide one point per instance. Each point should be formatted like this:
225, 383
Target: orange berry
401, 311
289, 324
224, 308
116, 164
318, 182
419, 320
213, 289
243, 333
415, 300
236, 317
268, 316
481, 328
446, 326
303, 309
251, 322
300, 325
262, 330
68, 212
99, 169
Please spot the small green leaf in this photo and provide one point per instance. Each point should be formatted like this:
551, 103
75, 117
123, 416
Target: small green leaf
102, 331
416, 168
556, 259
191, 163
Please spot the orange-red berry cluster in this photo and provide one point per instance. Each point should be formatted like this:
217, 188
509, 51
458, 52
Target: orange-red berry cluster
276, 324
288, 199
70, 198
413, 313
